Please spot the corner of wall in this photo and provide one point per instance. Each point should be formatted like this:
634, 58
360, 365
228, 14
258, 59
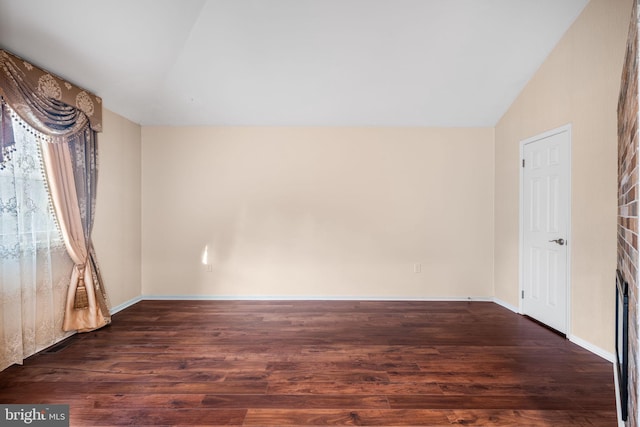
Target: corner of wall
117, 229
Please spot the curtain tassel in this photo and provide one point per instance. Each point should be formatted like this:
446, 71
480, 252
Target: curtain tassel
81, 300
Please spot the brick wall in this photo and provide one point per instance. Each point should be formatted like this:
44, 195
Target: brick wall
628, 201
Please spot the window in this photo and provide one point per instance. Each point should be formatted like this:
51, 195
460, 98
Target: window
27, 222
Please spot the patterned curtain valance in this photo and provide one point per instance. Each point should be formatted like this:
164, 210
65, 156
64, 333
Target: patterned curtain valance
45, 101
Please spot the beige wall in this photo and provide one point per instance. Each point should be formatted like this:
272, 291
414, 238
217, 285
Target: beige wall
346, 212
117, 229
578, 84
318, 212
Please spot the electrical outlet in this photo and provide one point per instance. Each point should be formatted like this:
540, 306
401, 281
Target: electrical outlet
417, 267
209, 268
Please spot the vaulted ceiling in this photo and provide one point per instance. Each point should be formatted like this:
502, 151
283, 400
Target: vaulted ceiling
293, 62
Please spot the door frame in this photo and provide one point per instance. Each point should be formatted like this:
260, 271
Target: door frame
566, 128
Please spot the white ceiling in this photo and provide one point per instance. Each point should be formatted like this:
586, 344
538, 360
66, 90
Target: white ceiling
293, 62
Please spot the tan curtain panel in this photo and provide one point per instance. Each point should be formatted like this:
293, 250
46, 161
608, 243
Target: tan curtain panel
86, 307
71, 116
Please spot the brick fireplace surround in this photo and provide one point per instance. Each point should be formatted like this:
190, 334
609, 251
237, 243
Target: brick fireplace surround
628, 202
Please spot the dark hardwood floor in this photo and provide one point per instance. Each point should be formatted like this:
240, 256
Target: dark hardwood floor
283, 363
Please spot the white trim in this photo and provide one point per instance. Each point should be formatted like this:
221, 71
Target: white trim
506, 305
566, 128
610, 357
125, 304
617, 387
305, 298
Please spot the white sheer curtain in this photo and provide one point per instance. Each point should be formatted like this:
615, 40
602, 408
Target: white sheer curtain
34, 265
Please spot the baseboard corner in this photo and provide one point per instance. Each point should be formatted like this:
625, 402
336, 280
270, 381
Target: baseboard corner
125, 304
506, 305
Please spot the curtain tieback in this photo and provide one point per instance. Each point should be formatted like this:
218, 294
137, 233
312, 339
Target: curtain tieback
81, 300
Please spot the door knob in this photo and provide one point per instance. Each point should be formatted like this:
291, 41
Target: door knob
558, 241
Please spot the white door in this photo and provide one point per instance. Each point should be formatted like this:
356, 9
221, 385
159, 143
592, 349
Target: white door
545, 227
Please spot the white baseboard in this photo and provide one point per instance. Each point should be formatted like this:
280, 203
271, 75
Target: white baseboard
506, 305
618, 403
125, 304
305, 298
593, 349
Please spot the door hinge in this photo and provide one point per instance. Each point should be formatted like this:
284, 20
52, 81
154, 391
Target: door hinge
522, 162
522, 295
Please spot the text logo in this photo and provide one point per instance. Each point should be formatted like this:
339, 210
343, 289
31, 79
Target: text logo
34, 415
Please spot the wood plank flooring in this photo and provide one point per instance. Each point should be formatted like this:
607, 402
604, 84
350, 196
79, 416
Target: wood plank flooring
310, 363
